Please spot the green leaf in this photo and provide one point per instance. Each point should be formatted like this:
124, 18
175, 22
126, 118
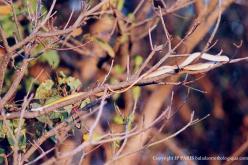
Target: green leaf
35, 105
138, 60
85, 102
115, 81
72, 82
10, 139
51, 57
131, 17
130, 120
118, 119
116, 144
119, 69
136, 92
22, 142
2, 131
2, 151
45, 119
96, 137
123, 38
8, 25
44, 90
59, 114
68, 108
13, 125
105, 46
55, 115
120, 4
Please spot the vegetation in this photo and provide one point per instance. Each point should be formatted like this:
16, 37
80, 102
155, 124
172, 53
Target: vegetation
115, 81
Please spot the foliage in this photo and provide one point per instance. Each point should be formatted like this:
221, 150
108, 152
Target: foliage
111, 78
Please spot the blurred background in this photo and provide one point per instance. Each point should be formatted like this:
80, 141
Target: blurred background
222, 92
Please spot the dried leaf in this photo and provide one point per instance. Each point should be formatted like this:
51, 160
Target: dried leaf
199, 66
189, 59
163, 70
215, 58
77, 32
205, 56
5, 9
